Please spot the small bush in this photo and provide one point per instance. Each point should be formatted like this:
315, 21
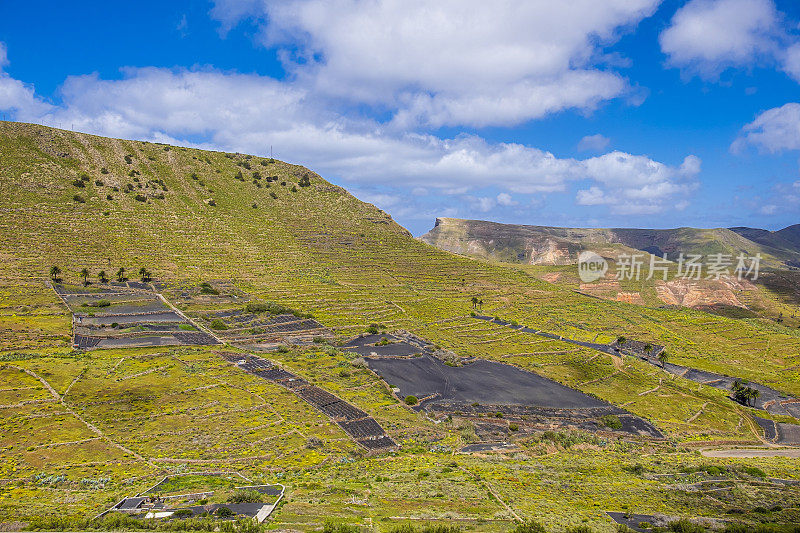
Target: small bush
104, 170
224, 512
331, 527
685, 526
611, 421
80, 199
283, 349
580, 529
411, 400
206, 288
78, 183
513, 427
529, 526
141, 198
218, 324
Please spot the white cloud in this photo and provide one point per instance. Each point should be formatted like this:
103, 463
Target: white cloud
632, 184
791, 61
484, 204
3, 55
707, 36
592, 196
506, 200
773, 130
451, 62
593, 143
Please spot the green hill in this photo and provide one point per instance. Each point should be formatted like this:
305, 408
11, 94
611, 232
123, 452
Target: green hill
80, 430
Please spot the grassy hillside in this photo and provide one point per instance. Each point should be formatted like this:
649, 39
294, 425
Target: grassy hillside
288, 236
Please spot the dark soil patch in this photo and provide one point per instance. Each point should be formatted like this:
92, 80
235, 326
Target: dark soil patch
481, 381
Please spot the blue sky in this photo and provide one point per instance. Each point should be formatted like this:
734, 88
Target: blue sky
623, 113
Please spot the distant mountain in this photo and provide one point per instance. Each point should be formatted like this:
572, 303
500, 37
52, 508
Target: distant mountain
514, 243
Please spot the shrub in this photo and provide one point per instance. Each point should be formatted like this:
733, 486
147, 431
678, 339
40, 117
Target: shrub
294, 188
109, 197
513, 427
218, 324
78, 183
99, 303
529, 526
80, 199
372, 329
141, 198
685, 526
224, 512
580, 529
411, 400
273, 195
754, 471
212, 203
283, 349
104, 170
611, 421
128, 159
182, 513
99, 183
206, 288
331, 527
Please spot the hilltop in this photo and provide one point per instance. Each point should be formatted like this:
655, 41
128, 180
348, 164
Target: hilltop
239, 246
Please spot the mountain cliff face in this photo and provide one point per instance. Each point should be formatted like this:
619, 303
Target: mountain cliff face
543, 245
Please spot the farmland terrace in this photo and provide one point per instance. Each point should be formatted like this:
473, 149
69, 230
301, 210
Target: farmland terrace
359, 425
126, 315
480, 388
769, 399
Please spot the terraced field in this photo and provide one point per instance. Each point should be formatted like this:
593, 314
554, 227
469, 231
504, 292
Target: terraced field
81, 429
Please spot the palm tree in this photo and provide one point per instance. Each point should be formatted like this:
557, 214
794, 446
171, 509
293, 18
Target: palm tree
85, 276
54, 272
480, 305
663, 357
753, 394
102, 276
474, 302
121, 274
144, 274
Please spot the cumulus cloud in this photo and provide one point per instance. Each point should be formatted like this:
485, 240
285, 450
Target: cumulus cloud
506, 200
453, 62
593, 143
705, 37
774, 130
633, 184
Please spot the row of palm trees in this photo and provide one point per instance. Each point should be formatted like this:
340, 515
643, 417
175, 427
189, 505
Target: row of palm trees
102, 276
